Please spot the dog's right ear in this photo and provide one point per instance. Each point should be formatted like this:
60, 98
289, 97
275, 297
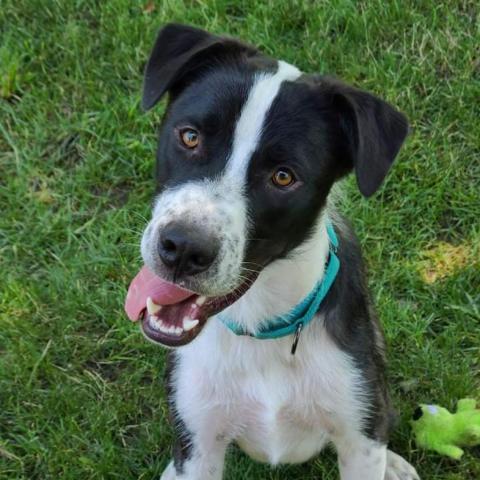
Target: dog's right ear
179, 52
176, 45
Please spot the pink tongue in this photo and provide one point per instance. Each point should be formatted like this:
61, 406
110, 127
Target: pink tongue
147, 284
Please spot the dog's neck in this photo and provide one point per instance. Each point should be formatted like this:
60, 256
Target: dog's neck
284, 283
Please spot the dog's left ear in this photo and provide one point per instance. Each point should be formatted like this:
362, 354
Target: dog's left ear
372, 132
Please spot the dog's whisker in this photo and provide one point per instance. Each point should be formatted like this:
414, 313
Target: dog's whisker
250, 270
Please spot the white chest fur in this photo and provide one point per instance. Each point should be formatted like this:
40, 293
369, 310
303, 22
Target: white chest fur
279, 408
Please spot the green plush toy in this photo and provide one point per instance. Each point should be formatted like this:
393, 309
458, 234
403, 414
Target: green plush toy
435, 428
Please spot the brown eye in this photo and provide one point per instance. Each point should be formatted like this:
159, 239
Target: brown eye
189, 137
283, 177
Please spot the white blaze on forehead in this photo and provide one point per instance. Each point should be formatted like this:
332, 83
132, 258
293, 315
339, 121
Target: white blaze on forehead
252, 117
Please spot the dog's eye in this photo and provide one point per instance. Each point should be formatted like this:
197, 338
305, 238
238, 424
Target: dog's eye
283, 177
189, 137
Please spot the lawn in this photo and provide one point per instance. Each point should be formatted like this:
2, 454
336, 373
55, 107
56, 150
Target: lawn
80, 390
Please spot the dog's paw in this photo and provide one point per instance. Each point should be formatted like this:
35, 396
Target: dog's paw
169, 473
399, 469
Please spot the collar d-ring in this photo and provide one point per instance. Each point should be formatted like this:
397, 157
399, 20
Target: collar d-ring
296, 338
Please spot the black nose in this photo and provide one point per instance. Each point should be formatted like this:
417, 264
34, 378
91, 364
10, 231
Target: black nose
186, 250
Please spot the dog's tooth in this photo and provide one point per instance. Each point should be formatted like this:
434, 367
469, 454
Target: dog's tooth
152, 307
201, 300
188, 323
163, 327
178, 330
153, 322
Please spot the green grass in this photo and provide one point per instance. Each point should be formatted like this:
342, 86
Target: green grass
80, 390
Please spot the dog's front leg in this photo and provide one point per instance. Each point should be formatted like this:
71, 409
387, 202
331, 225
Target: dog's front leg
199, 451
201, 438
200, 466
202, 459
362, 459
365, 459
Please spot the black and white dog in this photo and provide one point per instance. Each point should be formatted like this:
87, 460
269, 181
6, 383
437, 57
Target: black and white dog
249, 150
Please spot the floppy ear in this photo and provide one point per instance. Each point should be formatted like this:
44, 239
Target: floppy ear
373, 132
179, 52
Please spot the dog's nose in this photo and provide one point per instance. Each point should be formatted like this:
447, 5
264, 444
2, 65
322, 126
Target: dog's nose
186, 250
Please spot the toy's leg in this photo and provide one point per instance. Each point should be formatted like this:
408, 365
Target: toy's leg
449, 450
361, 459
466, 404
399, 469
474, 431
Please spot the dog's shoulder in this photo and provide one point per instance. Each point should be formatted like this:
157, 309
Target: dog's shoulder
352, 322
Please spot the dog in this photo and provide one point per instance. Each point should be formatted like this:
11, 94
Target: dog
243, 235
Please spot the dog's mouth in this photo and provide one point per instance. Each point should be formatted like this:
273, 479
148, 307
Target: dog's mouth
169, 314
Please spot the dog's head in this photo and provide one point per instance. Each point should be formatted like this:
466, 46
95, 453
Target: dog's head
248, 151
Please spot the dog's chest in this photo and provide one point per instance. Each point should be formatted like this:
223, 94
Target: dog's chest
277, 420
278, 408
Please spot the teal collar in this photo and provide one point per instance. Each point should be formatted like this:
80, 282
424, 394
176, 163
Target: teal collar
303, 313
